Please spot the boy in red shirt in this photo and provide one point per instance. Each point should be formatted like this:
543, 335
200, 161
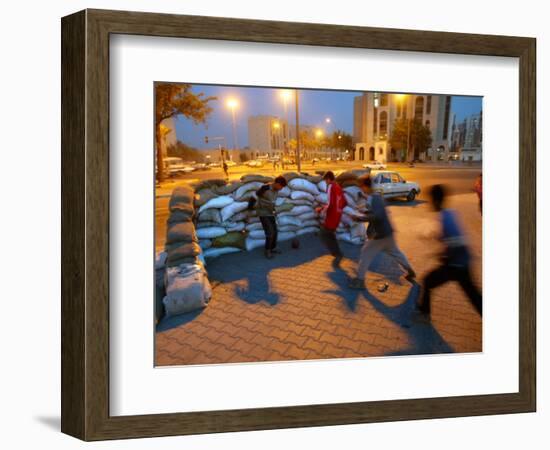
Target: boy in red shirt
333, 214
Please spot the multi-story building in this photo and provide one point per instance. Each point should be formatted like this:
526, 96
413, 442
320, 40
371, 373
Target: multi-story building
374, 117
473, 137
267, 136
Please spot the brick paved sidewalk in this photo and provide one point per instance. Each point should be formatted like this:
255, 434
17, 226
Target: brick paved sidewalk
296, 306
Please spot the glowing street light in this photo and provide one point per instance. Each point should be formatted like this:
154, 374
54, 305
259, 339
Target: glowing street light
233, 104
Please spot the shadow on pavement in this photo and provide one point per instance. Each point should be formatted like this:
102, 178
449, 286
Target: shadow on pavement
423, 337
167, 323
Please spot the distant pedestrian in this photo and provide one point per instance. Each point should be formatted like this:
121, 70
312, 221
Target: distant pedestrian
478, 188
380, 238
265, 208
332, 213
225, 169
455, 260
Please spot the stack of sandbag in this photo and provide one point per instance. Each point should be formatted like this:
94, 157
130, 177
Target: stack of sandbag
184, 281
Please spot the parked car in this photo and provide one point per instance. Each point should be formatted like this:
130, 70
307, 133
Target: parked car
214, 164
174, 165
255, 163
375, 165
230, 163
201, 166
392, 185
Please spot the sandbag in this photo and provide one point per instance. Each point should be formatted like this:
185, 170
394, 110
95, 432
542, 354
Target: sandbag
302, 195
301, 184
179, 215
288, 228
182, 196
347, 175
347, 220
310, 223
256, 177
346, 237
215, 252
211, 232
301, 209
252, 243
322, 186
350, 200
233, 208
216, 203
254, 226
187, 289
240, 216
314, 178
354, 191
308, 215
234, 239
279, 201
180, 253
301, 202
205, 243
160, 260
285, 207
352, 212
202, 196
289, 176
284, 192
228, 188
210, 215
253, 186
180, 232
233, 226
288, 220
257, 234
210, 184
322, 198
286, 236
207, 224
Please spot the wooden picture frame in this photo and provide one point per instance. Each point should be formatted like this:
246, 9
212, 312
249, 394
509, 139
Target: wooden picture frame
85, 224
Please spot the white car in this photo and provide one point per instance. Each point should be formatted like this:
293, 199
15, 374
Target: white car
375, 165
392, 185
255, 163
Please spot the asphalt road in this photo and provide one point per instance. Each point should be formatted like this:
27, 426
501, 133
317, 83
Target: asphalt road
458, 178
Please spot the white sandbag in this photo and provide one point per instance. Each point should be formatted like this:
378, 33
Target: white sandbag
187, 289
354, 191
252, 186
301, 202
233, 226
347, 220
350, 200
346, 237
211, 233
218, 202
310, 223
352, 212
286, 236
205, 243
284, 192
233, 208
214, 252
210, 215
251, 243
307, 230
322, 186
288, 228
310, 215
302, 195
300, 184
279, 201
254, 226
257, 234
301, 209
322, 198
253, 219
288, 220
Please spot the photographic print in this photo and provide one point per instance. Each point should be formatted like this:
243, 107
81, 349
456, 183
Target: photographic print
310, 224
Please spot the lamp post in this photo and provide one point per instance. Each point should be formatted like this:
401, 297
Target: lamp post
298, 159
232, 104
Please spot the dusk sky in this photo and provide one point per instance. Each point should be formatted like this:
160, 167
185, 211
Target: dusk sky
315, 107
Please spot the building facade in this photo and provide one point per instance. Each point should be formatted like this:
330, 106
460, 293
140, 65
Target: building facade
267, 136
374, 117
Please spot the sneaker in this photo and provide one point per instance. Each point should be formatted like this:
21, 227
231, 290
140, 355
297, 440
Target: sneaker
356, 283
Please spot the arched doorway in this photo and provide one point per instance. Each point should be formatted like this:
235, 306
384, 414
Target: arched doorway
362, 153
371, 154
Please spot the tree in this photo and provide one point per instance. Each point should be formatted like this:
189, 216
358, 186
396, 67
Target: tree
172, 99
184, 152
420, 135
243, 157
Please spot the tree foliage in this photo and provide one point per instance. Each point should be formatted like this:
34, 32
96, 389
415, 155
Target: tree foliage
184, 152
420, 135
173, 99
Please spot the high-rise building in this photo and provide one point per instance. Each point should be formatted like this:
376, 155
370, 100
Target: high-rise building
374, 117
473, 137
267, 135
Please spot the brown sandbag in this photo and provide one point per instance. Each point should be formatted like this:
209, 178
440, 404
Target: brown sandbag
179, 215
233, 239
182, 197
179, 253
291, 175
284, 207
314, 178
202, 196
210, 215
256, 177
206, 224
228, 188
210, 184
181, 232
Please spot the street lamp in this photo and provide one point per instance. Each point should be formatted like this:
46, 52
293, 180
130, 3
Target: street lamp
233, 104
